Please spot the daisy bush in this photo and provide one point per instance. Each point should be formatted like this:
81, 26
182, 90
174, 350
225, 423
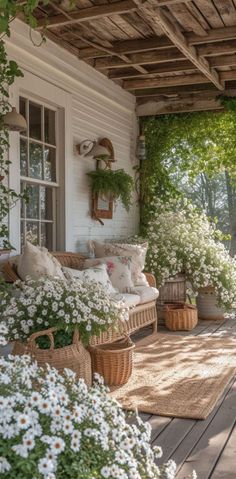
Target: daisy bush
54, 427
182, 239
64, 304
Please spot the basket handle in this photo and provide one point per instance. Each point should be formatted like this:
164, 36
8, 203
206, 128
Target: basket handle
46, 332
49, 332
129, 341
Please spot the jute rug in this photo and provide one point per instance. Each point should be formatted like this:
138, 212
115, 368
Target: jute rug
179, 376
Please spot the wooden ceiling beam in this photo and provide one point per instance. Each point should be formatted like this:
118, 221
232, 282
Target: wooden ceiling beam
190, 52
159, 43
173, 67
172, 54
160, 107
88, 14
132, 85
161, 82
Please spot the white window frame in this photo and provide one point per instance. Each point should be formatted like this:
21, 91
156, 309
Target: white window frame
45, 92
54, 185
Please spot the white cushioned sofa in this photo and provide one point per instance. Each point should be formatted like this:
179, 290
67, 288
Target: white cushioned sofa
141, 302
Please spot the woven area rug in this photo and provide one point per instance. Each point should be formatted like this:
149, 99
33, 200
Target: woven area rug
179, 376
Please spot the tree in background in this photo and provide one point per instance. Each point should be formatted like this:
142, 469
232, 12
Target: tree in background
194, 154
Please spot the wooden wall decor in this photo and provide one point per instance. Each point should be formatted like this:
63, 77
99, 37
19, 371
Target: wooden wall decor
103, 208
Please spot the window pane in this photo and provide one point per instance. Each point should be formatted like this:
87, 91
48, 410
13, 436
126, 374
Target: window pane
49, 164
23, 107
46, 235
49, 126
46, 203
23, 158
32, 232
36, 160
32, 206
35, 121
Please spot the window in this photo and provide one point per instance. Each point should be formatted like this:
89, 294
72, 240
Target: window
39, 173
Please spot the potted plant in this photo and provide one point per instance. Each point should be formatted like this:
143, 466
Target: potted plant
48, 317
54, 427
181, 238
112, 185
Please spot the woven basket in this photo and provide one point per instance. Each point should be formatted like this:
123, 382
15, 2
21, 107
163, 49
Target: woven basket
74, 356
180, 316
113, 361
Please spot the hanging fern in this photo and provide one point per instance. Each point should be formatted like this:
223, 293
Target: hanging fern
112, 185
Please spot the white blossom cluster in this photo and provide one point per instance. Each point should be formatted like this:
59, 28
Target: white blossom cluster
54, 427
182, 239
64, 304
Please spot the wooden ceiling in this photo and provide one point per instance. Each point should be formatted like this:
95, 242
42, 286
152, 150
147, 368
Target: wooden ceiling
172, 55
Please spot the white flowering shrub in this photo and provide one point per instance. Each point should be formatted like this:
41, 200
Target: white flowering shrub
182, 239
64, 304
54, 427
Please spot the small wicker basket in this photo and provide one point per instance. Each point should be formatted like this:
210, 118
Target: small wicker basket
113, 361
74, 356
180, 316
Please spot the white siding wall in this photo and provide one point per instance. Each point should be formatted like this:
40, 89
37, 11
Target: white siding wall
95, 107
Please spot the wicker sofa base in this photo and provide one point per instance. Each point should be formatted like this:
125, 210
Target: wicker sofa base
139, 317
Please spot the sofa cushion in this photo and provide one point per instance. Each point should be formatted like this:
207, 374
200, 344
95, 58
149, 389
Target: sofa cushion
137, 252
146, 293
118, 268
96, 273
36, 262
129, 300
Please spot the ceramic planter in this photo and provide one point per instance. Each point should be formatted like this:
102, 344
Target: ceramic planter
207, 304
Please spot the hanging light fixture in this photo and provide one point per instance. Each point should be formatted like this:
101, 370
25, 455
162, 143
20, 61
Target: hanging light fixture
15, 121
141, 148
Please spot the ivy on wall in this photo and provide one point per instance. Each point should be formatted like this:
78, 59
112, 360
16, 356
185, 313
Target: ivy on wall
9, 71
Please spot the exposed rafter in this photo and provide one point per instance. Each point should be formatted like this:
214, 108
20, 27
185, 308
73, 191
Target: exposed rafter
91, 13
178, 39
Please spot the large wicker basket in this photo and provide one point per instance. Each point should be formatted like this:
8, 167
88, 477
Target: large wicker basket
74, 356
180, 316
113, 361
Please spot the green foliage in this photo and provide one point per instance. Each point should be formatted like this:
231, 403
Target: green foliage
193, 142
112, 185
228, 102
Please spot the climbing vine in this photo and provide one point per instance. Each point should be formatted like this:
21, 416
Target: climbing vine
9, 71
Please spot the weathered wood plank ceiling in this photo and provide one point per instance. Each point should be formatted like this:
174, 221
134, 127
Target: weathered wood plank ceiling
172, 55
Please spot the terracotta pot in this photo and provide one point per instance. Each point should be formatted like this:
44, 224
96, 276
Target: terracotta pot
207, 304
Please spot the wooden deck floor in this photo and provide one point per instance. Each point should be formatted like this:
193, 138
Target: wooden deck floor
207, 446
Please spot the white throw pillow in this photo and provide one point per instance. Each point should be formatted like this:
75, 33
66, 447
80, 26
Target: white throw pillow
118, 268
146, 293
137, 252
129, 300
36, 262
96, 273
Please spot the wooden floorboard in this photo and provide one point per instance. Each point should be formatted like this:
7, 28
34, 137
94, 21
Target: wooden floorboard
207, 446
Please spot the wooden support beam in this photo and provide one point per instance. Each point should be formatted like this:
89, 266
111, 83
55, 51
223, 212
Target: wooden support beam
171, 67
167, 55
153, 108
162, 56
173, 81
176, 36
132, 85
88, 14
142, 45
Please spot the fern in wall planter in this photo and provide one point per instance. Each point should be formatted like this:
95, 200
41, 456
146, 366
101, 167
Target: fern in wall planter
112, 185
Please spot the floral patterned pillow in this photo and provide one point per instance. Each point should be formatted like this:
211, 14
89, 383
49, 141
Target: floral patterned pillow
118, 268
137, 253
96, 273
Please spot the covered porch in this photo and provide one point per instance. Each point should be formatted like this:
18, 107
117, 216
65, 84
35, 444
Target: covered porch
104, 66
